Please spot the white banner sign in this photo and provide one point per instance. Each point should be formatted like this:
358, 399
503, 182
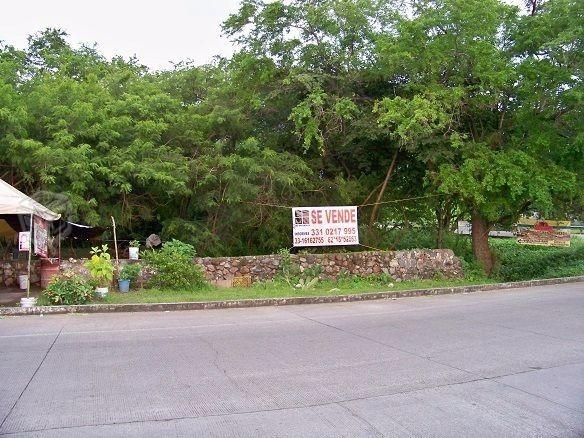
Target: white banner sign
325, 226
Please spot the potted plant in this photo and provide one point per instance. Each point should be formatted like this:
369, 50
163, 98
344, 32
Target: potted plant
129, 273
134, 250
26, 301
101, 269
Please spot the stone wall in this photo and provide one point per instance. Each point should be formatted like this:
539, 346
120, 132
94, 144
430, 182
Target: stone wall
11, 269
401, 265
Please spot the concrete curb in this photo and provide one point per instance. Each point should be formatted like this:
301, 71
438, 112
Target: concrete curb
261, 302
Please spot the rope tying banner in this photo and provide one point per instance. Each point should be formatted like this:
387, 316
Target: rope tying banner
393, 201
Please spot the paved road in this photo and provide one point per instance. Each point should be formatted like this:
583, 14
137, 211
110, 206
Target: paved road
493, 364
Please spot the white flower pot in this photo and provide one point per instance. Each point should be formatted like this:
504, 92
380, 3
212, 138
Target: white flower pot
101, 292
23, 282
28, 302
134, 252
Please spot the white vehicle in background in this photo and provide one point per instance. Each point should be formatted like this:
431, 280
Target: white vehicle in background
465, 227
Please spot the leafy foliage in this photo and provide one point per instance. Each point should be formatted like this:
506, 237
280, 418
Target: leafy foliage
174, 267
288, 270
309, 277
466, 114
100, 266
305, 283
68, 289
518, 262
130, 271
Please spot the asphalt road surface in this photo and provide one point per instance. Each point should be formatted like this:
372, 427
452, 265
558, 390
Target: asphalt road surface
490, 364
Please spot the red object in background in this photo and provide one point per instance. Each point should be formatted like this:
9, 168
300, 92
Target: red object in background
543, 226
49, 268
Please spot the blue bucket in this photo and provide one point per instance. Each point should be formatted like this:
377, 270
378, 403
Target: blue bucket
124, 285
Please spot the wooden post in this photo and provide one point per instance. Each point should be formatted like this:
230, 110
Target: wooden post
116, 247
59, 255
30, 250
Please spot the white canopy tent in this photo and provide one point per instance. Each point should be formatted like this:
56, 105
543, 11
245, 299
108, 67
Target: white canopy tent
13, 201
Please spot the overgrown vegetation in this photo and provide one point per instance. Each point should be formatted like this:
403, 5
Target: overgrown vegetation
288, 270
517, 262
173, 266
324, 103
130, 271
68, 289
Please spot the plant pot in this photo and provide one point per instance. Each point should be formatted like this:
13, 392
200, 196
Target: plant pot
124, 286
134, 252
23, 282
28, 302
101, 292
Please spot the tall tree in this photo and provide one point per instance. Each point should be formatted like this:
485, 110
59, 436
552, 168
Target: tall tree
462, 109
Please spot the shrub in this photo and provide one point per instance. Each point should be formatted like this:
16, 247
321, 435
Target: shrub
100, 266
309, 277
69, 289
306, 283
315, 270
173, 266
473, 270
130, 271
523, 262
289, 270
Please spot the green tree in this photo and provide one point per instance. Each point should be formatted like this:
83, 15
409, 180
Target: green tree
323, 85
463, 111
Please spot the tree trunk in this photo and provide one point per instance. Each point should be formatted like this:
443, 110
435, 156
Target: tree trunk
439, 231
443, 220
480, 242
375, 211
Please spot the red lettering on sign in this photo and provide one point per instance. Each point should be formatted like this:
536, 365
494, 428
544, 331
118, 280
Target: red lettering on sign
341, 216
317, 216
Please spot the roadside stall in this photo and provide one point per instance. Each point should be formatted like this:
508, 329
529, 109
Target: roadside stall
30, 222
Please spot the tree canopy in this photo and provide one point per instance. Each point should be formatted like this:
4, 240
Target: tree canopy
472, 107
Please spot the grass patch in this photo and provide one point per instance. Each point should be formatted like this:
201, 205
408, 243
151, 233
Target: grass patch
277, 289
